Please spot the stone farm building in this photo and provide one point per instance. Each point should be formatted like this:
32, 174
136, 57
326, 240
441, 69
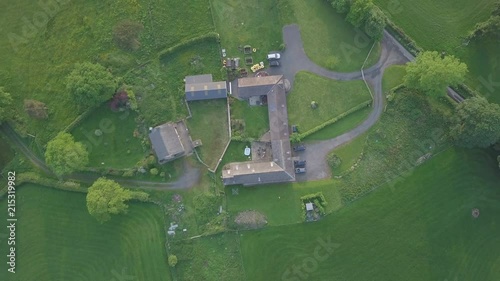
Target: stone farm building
280, 168
171, 141
201, 87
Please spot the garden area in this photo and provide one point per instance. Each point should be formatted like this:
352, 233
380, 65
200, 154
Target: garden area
54, 243
280, 203
159, 85
209, 123
248, 121
332, 97
113, 139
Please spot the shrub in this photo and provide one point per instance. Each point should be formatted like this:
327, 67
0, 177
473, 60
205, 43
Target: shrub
172, 260
154, 171
126, 35
334, 160
36, 109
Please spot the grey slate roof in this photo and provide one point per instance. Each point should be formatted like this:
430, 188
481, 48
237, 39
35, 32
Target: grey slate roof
166, 142
256, 86
195, 79
201, 87
281, 168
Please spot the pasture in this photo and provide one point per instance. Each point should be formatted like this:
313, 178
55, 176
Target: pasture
442, 26
419, 229
333, 98
39, 48
58, 240
6, 154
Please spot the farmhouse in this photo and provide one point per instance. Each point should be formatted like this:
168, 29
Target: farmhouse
280, 168
171, 141
202, 87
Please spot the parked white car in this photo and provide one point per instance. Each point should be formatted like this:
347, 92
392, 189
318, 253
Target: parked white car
273, 56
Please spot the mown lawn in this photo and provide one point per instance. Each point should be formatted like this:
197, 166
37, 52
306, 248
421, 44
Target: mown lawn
117, 147
333, 98
421, 229
209, 123
256, 118
58, 240
442, 26
329, 40
280, 203
37, 56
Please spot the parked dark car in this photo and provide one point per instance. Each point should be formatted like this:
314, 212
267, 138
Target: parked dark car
274, 63
299, 147
300, 170
299, 163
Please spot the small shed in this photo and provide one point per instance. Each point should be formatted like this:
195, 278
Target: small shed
309, 207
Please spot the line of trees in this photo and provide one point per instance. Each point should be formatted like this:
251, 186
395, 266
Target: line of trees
489, 29
362, 14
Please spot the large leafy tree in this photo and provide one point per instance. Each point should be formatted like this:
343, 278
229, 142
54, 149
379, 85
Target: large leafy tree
106, 197
476, 123
64, 155
375, 23
90, 84
359, 12
5, 102
432, 72
341, 6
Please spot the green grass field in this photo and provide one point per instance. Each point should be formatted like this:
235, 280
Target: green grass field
333, 98
116, 147
58, 240
442, 26
251, 22
421, 229
209, 123
81, 31
329, 40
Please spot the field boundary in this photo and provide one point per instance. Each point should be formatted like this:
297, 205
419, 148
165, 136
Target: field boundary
336, 119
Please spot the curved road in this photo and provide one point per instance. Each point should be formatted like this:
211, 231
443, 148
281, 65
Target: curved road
294, 59
189, 178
